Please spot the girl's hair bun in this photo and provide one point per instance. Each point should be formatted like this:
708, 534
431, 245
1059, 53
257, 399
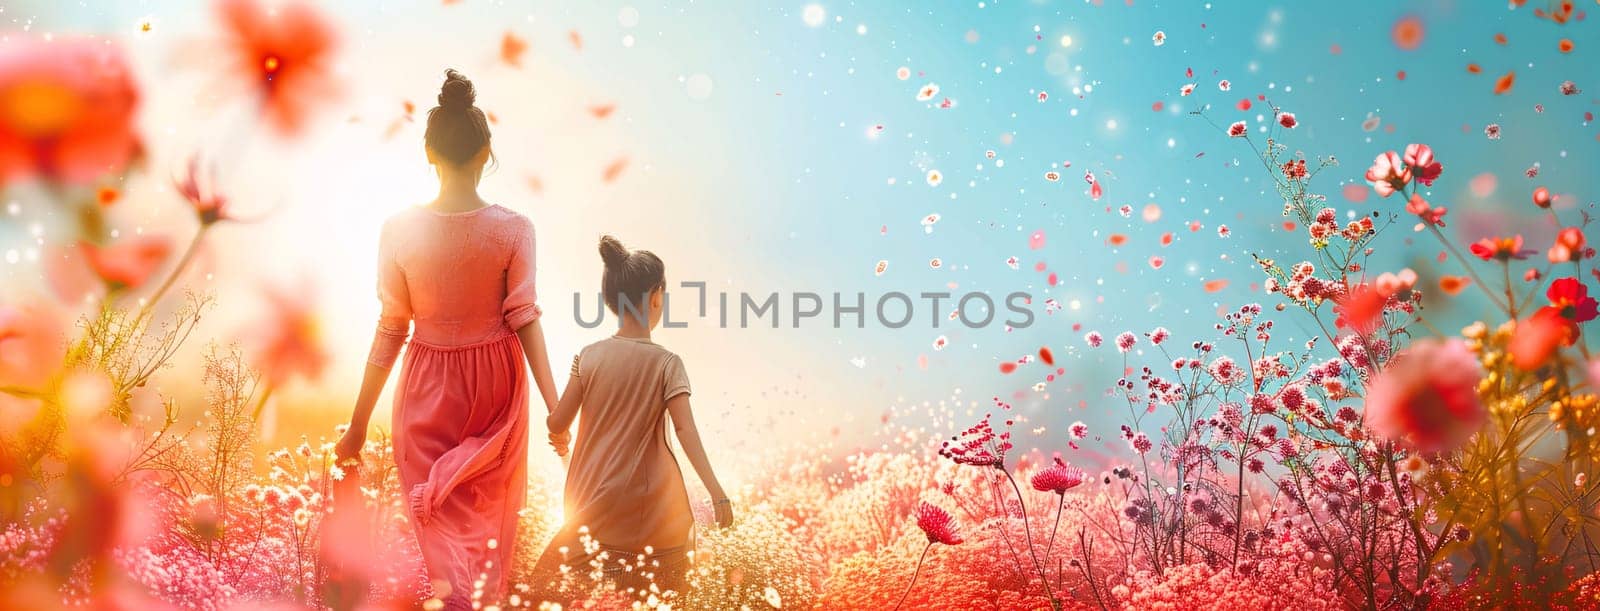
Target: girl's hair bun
612, 251
457, 92
630, 277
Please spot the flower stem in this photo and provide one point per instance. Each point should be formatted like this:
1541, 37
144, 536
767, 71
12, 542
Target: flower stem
1028, 540
1476, 279
183, 263
914, 575
1057, 525
17, 391
261, 404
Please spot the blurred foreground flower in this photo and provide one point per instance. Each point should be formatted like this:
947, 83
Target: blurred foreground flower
284, 54
101, 510
66, 110
1427, 398
128, 262
1360, 309
1552, 326
288, 339
32, 343
1568, 246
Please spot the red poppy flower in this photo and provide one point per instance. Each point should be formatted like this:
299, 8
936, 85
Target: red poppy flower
284, 53
66, 110
1571, 299
1504, 249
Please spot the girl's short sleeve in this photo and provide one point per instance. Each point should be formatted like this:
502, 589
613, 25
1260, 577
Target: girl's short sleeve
521, 304
675, 379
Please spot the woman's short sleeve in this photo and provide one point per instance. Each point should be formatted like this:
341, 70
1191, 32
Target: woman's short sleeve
521, 305
394, 324
676, 380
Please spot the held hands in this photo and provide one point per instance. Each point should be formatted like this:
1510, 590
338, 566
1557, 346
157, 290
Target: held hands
561, 443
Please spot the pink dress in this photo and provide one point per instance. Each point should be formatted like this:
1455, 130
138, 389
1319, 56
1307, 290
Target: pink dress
461, 409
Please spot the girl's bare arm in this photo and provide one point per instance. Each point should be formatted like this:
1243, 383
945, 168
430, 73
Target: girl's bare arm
560, 419
689, 438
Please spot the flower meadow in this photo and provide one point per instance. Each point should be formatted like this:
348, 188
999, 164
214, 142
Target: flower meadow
1390, 461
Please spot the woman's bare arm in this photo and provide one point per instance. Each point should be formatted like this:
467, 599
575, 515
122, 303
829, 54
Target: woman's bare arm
372, 383
532, 336
689, 438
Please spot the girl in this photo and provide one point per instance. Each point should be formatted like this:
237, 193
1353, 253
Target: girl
623, 483
463, 270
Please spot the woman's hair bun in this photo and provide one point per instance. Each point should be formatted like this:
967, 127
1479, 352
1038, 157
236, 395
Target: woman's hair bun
612, 251
457, 92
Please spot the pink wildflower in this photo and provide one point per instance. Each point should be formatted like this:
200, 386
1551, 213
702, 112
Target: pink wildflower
1058, 478
1125, 341
1388, 174
937, 524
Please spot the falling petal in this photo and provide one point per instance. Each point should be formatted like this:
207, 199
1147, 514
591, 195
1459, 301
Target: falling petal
512, 48
614, 170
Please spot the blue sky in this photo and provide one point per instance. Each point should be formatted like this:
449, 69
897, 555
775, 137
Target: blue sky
755, 163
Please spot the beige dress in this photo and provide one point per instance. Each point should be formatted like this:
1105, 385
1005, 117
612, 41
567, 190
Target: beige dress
624, 482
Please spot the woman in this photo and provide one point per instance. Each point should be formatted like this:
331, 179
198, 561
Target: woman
463, 270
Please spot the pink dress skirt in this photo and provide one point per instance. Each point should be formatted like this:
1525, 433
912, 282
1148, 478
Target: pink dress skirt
461, 409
